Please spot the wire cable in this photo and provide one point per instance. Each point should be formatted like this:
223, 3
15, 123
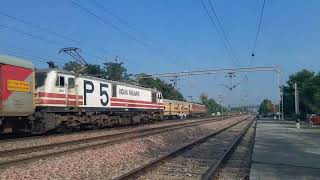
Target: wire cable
46, 30
216, 28
28, 34
64, 37
110, 13
115, 27
222, 29
258, 31
54, 43
31, 56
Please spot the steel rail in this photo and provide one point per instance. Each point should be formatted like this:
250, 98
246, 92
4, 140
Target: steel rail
149, 165
236, 155
53, 145
12, 138
110, 139
214, 167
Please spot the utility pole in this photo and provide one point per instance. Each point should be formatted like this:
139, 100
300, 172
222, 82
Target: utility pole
296, 99
220, 101
296, 103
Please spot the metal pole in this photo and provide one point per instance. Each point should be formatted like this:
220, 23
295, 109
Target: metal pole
282, 105
296, 99
279, 85
221, 111
279, 73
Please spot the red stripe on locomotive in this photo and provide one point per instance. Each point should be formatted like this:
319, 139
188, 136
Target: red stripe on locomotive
135, 105
57, 95
58, 102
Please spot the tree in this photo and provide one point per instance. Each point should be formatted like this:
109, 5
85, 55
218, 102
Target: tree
211, 104
91, 69
72, 66
168, 91
115, 71
94, 70
266, 107
309, 93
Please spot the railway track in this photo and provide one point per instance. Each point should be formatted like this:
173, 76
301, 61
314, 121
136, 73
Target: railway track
25, 136
237, 164
200, 159
19, 155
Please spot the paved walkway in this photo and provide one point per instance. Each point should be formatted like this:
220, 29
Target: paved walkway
283, 152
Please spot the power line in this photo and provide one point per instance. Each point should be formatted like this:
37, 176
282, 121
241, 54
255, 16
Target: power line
44, 29
88, 11
110, 13
39, 38
118, 18
27, 52
216, 28
31, 56
27, 34
222, 29
114, 26
258, 31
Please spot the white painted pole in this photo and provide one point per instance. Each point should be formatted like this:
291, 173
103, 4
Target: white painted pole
296, 98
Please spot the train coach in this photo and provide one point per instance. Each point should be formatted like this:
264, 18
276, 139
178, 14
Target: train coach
16, 92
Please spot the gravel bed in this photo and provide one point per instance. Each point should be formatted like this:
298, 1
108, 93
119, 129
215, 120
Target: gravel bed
29, 142
110, 161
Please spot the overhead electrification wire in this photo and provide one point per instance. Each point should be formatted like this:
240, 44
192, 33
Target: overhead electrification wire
46, 30
37, 58
216, 28
118, 18
110, 13
36, 37
129, 34
28, 34
258, 31
115, 27
64, 37
222, 29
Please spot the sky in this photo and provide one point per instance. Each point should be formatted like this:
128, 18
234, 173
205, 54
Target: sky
171, 36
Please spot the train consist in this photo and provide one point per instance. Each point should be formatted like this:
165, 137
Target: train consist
38, 101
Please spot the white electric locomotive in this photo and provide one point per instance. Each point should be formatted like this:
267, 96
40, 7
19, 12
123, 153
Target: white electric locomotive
65, 100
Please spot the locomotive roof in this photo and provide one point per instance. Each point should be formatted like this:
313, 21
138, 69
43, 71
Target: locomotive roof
176, 101
92, 77
5, 59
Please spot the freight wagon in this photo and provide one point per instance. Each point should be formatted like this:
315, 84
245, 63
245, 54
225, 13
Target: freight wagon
182, 109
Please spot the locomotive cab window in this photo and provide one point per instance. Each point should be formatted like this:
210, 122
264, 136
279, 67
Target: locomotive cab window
71, 83
60, 81
154, 97
40, 79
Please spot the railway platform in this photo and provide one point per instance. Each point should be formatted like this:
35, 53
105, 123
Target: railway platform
281, 151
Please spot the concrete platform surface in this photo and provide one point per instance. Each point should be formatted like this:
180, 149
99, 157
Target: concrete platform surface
282, 151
